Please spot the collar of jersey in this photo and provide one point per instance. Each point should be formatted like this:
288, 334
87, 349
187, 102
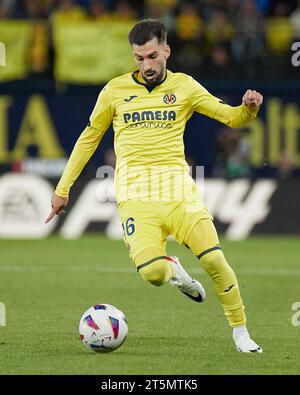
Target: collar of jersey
148, 87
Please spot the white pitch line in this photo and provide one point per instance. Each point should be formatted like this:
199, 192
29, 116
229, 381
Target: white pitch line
262, 271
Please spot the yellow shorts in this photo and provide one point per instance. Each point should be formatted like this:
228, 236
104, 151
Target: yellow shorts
148, 224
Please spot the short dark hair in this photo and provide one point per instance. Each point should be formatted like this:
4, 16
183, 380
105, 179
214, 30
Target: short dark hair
147, 29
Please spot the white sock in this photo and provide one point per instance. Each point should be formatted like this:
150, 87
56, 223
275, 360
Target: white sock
239, 331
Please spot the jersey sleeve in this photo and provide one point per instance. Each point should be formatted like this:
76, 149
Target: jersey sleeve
103, 111
87, 142
205, 103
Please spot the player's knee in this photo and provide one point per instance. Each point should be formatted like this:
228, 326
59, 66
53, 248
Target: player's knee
202, 235
214, 263
156, 273
152, 266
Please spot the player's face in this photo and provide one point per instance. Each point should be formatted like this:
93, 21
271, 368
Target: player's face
151, 59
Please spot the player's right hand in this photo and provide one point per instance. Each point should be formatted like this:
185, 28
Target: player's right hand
58, 204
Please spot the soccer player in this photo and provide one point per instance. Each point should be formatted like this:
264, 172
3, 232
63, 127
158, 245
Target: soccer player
156, 196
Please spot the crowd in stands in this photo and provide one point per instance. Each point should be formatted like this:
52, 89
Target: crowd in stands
211, 38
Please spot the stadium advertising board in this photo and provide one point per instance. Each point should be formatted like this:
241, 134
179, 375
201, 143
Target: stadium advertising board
240, 207
38, 132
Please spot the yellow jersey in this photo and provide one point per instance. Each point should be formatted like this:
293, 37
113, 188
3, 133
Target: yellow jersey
148, 123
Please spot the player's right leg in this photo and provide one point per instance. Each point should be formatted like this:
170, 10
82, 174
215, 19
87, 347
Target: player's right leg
153, 266
146, 241
159, 269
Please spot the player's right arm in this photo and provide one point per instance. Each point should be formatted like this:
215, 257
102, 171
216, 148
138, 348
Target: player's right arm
84, 148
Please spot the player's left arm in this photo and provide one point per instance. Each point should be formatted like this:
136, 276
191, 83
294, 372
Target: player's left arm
233, 116
252, 100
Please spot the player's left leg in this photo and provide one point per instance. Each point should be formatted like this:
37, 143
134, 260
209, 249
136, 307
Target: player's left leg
203, 241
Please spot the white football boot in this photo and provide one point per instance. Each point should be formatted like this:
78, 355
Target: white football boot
187, 285
243, 341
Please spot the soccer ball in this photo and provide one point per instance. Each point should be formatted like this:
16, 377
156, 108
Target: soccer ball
103, 328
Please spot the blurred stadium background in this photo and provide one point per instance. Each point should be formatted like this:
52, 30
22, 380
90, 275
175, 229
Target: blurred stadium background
59, 54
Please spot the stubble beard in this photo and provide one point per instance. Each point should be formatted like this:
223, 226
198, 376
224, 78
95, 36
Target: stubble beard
156, 80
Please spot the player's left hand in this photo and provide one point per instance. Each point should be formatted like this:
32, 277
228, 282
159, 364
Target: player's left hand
252, 99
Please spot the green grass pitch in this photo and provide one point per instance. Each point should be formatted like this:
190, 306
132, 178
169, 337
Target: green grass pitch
46, 285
